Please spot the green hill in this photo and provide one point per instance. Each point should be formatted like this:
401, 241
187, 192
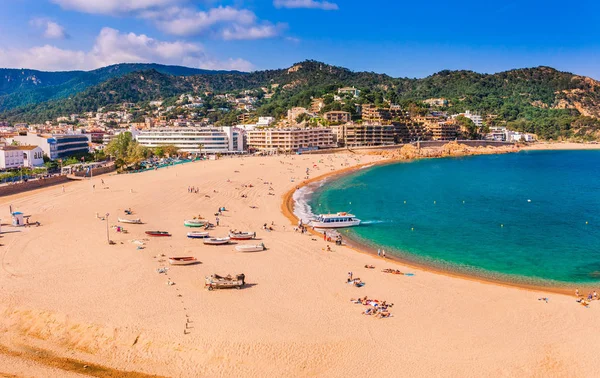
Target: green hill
541, 100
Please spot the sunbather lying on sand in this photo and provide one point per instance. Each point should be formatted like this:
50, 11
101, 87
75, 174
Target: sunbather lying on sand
370, 266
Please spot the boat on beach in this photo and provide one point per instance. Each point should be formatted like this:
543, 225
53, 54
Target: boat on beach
250, 247
187, 260
194, 223
242, 235
216, 241
339, 220
157, 233
130, 221
197, 235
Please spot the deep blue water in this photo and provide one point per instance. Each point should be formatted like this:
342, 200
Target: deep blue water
472, 214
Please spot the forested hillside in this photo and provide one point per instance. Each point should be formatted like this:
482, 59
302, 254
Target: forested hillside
541, 100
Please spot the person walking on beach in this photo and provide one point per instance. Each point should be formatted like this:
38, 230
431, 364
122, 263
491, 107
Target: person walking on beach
383, 253
378, 251
325, 235
217, 220
577, 292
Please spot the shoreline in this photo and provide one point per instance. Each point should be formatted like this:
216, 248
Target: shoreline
361, 247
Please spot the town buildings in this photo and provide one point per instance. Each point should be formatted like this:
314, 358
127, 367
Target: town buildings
364, 134
290, 139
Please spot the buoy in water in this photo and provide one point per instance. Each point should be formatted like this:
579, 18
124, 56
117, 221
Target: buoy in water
528, 200
501, 225
586, 222
412, 228
404, 201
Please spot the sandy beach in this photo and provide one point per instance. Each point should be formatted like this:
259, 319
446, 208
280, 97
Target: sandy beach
70, 297
562, 146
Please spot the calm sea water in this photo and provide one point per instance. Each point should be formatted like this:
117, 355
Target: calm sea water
529, 216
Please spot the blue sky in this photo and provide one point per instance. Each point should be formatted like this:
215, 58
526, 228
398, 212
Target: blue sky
400, 38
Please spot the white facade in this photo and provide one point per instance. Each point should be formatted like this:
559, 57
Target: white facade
33, 156
206, 140
265, 121
10, 157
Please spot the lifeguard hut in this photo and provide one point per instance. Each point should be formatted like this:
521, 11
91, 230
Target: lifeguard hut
17, 219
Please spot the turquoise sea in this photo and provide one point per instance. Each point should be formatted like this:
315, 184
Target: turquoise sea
531, 217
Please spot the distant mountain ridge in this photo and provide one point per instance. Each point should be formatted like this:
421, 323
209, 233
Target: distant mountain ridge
542, 100
20, 87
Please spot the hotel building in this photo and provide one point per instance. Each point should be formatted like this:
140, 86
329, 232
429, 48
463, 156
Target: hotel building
57, 146
290, 140
204, 140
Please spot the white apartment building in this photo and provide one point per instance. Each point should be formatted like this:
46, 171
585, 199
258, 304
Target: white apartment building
205, 140
476, 118
10, 157
290, 140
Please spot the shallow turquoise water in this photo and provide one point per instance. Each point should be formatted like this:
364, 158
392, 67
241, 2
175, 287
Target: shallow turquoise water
496, 231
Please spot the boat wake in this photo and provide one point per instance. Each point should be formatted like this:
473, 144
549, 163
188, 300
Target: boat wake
373, 222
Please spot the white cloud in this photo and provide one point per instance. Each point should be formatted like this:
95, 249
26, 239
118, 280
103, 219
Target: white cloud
50, 29
224, 22
112, 6
311, 4
113, 47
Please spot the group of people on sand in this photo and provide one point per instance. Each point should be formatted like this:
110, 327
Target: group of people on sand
377, 308
193, 189
585, 301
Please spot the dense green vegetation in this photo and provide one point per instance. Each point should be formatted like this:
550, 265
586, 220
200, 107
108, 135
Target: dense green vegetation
22, 87
524, 99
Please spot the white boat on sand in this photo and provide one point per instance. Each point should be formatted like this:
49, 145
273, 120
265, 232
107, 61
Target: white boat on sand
216, 241
242, 235
250, 247
130, 221
187, 260
338, 220
194, 223
197, 235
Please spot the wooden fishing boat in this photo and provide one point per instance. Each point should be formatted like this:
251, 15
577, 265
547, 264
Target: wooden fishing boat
250, 247
157, 233
187, 260
130, 221
242, 235
221, 282
197, 235
194, 223
216, 241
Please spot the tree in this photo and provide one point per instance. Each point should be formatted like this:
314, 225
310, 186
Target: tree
302, 117
170, 150
119, 146
468, 125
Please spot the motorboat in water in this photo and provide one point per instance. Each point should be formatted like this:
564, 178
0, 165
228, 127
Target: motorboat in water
197, 235
242, 235
250, 247
187, 260
216, 241
339, 220
157, 233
